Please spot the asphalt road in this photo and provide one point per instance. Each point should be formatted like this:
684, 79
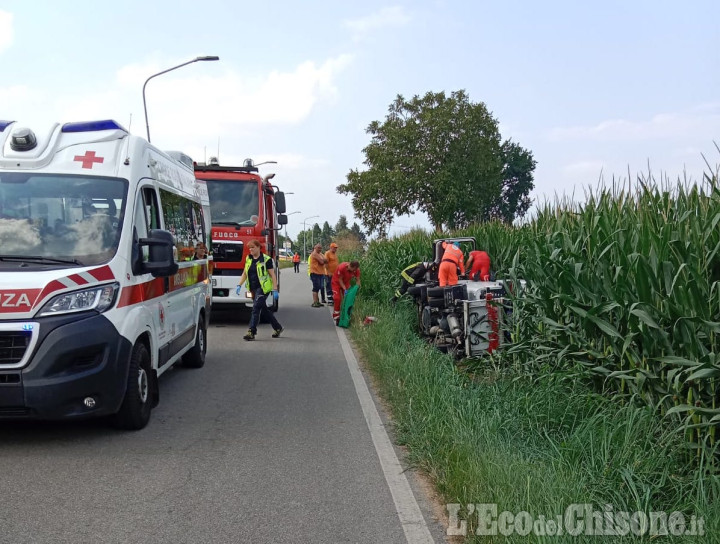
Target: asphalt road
268, 443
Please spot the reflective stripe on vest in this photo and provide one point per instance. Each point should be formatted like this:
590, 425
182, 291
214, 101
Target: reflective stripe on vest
262, 273
405, 274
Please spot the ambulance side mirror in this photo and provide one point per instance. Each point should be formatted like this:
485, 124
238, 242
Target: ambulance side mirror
161, 262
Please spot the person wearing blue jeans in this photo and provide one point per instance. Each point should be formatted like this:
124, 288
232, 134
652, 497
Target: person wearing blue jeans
260, 280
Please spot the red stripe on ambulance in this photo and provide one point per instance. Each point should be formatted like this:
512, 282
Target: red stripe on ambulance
17, 300
96, 275
186, 277
102, 274
134, 294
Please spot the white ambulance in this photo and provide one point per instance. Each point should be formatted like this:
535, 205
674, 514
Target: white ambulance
104, 271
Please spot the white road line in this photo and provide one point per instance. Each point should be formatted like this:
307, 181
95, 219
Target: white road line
411, 518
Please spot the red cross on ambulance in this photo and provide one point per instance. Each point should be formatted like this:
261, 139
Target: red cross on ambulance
88, 159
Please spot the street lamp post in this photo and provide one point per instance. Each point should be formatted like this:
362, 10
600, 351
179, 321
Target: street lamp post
289, 214
196, 59
305, 236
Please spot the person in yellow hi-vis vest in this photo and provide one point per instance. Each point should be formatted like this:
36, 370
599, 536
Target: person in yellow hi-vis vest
260, 280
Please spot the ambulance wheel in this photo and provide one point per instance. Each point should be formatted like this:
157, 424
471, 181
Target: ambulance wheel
195, 358
134, 412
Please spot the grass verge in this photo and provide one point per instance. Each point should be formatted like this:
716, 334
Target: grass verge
536, 446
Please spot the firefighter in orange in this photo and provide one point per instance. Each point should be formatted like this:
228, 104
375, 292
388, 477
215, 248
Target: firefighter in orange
452, 259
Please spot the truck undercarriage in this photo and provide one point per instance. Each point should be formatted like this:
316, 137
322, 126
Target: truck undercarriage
466, 319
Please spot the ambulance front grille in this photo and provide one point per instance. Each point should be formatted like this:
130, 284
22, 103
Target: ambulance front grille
12, 346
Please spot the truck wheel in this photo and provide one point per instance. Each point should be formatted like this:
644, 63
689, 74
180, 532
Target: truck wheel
414, 290
134, 412
435, 292
195, 358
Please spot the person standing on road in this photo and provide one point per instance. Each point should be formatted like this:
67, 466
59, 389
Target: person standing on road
330, 268
341, 283
260, 280
317, 274
296, 262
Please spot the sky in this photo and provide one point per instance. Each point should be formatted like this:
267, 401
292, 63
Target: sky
594, 90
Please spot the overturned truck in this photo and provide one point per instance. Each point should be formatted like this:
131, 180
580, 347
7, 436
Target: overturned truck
466, 319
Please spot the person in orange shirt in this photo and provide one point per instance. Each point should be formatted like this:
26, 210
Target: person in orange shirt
479, 265
317, 274
452, 259
330, 267
296, 262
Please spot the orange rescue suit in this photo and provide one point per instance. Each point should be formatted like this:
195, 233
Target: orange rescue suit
452, 259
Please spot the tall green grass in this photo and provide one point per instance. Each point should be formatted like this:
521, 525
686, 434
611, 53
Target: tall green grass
625, 292
607, 392
622, 292
526, 445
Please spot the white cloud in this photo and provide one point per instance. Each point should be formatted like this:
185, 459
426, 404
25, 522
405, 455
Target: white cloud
700, 121
6, 30
182, 104
386, 17
584, 168
11, 95
186, 107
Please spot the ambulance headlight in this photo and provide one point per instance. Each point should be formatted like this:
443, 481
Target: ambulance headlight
95, 298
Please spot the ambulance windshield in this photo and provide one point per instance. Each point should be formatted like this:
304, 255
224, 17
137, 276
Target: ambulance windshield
233, 201
71, 218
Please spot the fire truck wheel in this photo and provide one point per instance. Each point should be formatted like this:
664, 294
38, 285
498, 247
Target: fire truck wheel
195, 358
134, 412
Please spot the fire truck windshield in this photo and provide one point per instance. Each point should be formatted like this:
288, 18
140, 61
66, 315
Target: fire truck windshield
233, 202
56, 218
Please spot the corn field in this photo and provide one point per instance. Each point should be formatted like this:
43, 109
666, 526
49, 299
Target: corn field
623, 292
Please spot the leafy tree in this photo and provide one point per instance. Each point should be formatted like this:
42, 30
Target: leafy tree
517, 182
316, 235
442, 156
305, 239
357, 233
327, 235
341, 226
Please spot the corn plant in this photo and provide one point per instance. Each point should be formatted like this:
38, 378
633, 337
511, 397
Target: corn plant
623, 292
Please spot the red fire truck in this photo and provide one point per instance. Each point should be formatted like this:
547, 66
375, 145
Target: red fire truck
244, 207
